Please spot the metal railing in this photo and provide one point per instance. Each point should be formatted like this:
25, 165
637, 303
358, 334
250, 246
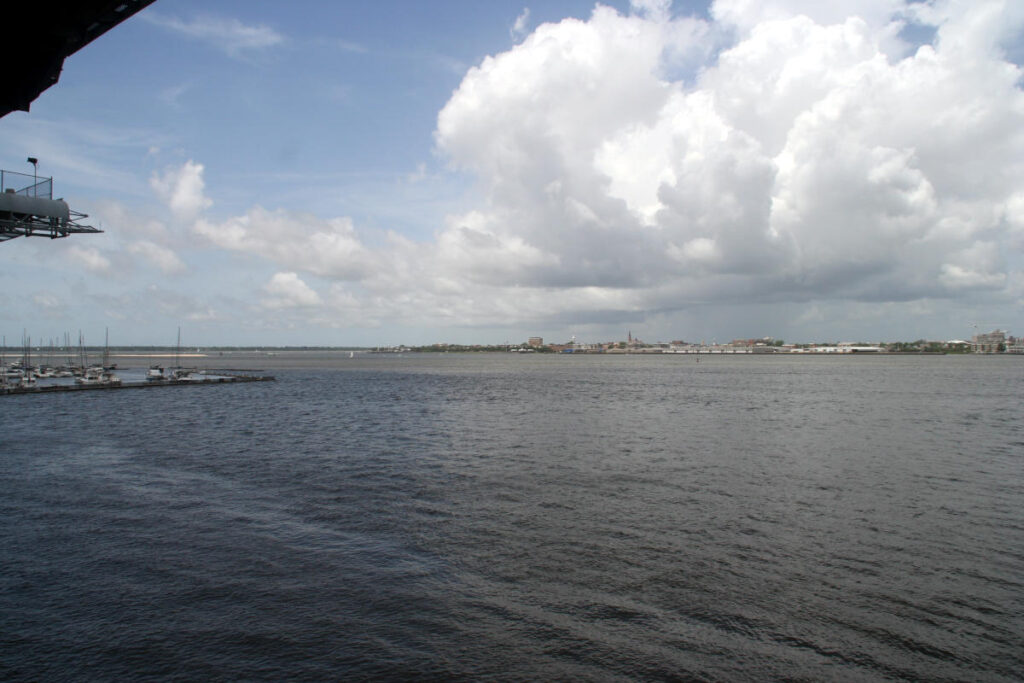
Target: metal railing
26, 185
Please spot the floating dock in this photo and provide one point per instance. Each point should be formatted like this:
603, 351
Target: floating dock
56, 388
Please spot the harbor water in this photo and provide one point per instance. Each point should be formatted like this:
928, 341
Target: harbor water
522, 517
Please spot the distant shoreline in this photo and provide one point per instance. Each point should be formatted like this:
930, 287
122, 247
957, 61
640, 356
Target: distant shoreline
159, 355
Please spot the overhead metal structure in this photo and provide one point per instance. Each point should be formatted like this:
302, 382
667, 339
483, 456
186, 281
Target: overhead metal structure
29, 210
40, 34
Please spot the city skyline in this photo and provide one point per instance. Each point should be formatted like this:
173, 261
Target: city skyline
17, 343
365, 176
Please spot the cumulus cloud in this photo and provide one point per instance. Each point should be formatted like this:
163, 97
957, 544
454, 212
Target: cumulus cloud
328, 248
746, 15
122, 221
181, 189
90, 258
226, 34
786, 151
287, 290
161, 257
657, 10
804, 162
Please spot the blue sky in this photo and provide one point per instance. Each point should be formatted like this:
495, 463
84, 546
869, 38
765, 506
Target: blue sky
404, 172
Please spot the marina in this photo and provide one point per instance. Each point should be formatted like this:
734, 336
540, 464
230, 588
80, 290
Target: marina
47, 388
35, 380
25, 376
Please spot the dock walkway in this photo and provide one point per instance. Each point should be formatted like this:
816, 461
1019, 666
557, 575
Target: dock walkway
52, 388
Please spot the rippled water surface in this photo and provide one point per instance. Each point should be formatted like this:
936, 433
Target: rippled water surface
522, 517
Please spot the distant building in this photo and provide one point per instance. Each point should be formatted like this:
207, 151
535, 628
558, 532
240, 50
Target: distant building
763, 341
839, 348
992, 342
535, 341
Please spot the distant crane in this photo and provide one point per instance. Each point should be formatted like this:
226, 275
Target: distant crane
982, 343
994, 326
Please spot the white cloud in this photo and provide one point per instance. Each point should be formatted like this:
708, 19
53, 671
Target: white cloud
468, 249
349, 46
656, 10
162, 257
90, 258
518, 29
182, 190
154, 310
49, 304
419, 175
328, 248
46, 300
226, 34
287, 290
746, 15
171, 96
805, 161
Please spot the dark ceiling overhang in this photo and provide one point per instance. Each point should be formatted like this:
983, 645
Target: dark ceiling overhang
39, 35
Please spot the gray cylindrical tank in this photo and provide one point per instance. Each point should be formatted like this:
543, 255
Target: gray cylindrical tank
34, 206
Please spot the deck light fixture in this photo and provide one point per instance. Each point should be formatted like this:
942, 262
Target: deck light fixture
35, 173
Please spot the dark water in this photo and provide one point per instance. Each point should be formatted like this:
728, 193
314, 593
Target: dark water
522, 517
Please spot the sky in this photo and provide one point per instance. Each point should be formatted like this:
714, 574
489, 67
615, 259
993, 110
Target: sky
400, 172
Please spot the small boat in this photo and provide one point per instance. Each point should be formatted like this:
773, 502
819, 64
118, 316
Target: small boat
156, 374
18, 377
97, 375
187, 375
